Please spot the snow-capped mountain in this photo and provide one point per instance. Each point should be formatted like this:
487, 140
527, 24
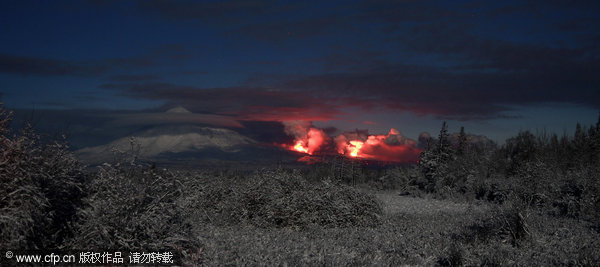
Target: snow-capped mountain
178, 110
169, 140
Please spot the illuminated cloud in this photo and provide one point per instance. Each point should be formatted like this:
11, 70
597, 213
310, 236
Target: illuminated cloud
392, 147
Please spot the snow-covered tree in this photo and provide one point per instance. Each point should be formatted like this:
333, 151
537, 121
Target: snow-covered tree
462, 142
435, 160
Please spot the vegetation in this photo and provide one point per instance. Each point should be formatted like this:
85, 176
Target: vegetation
542, 176
559, 177
41, 188
281, 199
532, 201
135, 209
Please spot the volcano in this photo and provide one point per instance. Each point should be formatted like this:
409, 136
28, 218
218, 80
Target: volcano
162, 143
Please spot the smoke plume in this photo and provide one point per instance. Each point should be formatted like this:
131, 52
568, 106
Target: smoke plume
391, 147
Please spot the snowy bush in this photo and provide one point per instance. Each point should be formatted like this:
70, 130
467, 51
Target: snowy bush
40, 189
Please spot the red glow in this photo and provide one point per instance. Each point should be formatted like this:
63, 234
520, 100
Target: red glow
309, 159
354, 148
392, 147
300, 147
308, 139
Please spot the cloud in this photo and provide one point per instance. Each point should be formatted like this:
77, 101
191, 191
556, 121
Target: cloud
222, 11
392, 147
277, 31
457, 63
47, 66
189, 72
264, 20
134, 78
155, 119
311, 140
405, 89
444, 92
244, 103
307, 138
456, 93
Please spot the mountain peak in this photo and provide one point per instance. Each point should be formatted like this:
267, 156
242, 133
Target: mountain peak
178, 110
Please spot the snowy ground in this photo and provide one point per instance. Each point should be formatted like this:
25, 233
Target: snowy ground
415, 231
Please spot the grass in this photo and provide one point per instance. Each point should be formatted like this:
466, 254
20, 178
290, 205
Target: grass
413, 231
401, 238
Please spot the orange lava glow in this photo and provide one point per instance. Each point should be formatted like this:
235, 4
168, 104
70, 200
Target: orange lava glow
391, 147
354, 148
301, 148
309, 143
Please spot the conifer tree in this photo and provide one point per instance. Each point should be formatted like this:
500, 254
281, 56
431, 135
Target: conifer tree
579, 138
462, 141
444, 148
580, 144
434, 162
595, 142
5, 118
428, 165
521, 149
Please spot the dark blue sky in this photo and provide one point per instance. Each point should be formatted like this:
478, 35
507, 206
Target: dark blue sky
496, 67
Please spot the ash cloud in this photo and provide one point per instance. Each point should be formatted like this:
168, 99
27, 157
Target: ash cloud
307, 137
391, 147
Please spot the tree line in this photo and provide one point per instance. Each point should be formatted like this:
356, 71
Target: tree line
557, 173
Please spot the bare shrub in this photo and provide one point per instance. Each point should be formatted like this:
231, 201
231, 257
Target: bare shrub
577, 195
284, 199
403, 178
507, 223
454, 256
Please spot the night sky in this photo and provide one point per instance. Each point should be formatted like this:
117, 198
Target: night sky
495, 67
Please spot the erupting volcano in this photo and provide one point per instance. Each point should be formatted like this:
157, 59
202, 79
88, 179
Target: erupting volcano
309, 142
354, 148
300, 147
392, 147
